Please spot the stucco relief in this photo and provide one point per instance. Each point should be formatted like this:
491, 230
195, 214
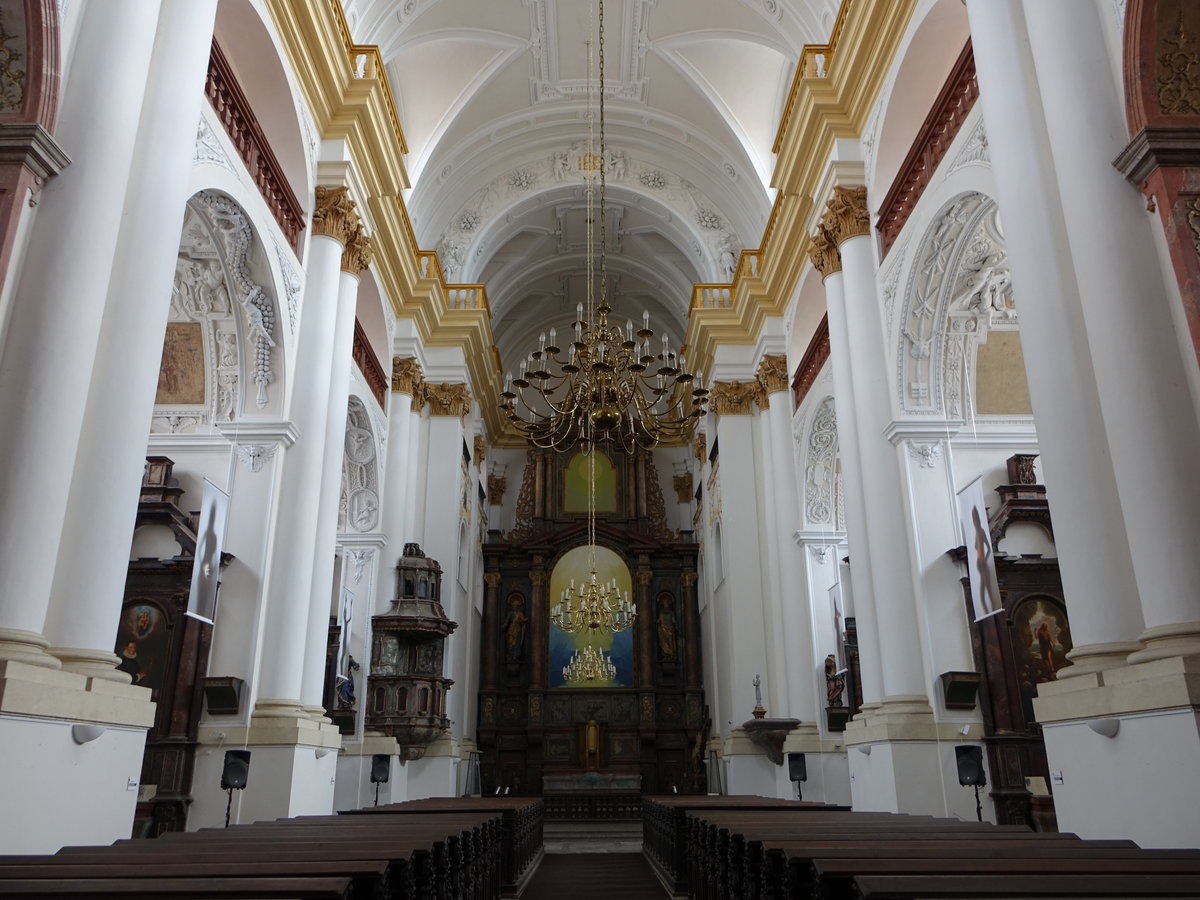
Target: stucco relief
358, 507
12, 57
820, 465
959, 289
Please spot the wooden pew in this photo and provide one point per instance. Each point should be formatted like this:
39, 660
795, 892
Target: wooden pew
1012, 887
189, 888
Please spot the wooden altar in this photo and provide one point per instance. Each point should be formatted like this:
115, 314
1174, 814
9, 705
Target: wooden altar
643, 731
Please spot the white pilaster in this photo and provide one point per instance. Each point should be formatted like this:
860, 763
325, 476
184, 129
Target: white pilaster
89, 579
1079, 469
52, 334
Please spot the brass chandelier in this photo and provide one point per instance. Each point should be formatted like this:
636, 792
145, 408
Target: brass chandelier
612, 386
589, 664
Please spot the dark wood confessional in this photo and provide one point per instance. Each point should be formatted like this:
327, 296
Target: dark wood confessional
1018, 648
591, 743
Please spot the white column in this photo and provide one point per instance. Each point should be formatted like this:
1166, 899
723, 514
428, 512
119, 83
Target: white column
51, 337
1089, 525
354, 260
904, 677
89, 580
797, 620
870, 663
1151, 424
289, 580
395, 503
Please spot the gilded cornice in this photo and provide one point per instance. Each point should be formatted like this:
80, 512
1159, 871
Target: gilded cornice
406, 375
448, 399
334, 214
734, 398
773, 374
848, 216
357, 255
824, 253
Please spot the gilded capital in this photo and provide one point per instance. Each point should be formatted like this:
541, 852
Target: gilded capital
448, 399
491, 579
701, 448
687, 579
848, 216
683, 487
773, 374
644, 578
358, 252
734, 398
406, 375
480, 448
334, 215
538, 577
824, 253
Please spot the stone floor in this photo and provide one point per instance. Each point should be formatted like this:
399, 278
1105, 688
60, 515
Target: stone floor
593, 837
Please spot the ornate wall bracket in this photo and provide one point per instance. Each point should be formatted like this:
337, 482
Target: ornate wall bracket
770, 735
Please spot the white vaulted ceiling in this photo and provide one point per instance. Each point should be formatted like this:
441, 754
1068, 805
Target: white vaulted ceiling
493, 100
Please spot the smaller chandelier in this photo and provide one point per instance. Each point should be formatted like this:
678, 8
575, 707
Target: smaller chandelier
593, 606
589, 664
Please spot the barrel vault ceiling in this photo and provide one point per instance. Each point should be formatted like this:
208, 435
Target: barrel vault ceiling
493, 97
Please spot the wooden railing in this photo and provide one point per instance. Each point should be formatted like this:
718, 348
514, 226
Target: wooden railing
233, 109
368, 363
941, 126
811, 364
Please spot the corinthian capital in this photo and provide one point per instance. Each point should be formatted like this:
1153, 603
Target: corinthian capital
824, 253
734, 398
448, 399
406, 375
357, 255
335, 216
773, 374
848, 216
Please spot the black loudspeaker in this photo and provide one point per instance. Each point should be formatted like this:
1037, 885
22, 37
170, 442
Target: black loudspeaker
381, 768
797, 768
236, 769
970, 764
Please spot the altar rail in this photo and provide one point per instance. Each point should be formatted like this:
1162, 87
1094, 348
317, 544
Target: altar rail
599, 806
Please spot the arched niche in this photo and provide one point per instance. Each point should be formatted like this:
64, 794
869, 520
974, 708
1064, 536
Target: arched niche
927, 62
223, 349
251, 51
957, 327
571, 570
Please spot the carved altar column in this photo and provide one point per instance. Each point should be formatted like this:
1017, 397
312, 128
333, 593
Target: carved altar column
289, 580
491, 635
1145, 399
645, 626
89, 579
828, 262
62, 292
1079, 468
538, 625
355, 258
691, 631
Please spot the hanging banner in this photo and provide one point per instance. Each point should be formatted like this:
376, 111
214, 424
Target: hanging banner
981, 564
210, 541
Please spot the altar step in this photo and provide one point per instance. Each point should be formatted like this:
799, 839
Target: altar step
616, 836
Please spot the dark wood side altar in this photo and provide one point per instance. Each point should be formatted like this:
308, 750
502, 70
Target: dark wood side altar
646, 735
1018, 648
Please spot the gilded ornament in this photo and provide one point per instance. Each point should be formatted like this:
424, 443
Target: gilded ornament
1179, 74
683, 487
644, 578
538, 578
687, 579
734, 398
773, 374
496, 486
480, 448
406, 375
334, 215
358, 252
491, 579
701, 448
824, 253
448, 399
848, 216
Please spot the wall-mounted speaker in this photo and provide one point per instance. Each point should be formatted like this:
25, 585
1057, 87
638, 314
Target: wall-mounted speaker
970, 764
236, 769
797, 768
381, 768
